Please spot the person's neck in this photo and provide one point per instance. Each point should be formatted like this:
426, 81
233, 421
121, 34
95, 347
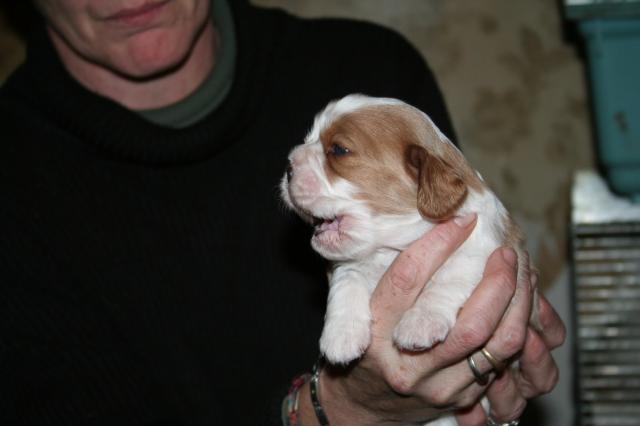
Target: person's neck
156, 92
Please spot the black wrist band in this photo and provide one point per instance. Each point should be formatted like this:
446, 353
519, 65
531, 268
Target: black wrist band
313, 390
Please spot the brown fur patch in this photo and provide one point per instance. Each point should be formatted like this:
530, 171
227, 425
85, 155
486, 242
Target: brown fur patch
378, 138
441, 191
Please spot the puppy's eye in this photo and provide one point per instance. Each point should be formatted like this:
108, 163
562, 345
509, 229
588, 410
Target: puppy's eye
338, 150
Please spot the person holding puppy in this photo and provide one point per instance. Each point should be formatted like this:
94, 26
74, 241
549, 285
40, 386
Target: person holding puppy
149, 275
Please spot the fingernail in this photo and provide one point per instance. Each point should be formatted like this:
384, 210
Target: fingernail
464, 221
534, 280
509, 255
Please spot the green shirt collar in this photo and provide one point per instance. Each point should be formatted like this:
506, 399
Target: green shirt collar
214, 89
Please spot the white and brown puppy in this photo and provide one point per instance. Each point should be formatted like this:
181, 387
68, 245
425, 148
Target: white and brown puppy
373, 175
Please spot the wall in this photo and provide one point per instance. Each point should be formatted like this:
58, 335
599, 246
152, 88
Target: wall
517, 95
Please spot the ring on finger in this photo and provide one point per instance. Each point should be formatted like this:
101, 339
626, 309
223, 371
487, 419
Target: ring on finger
481, 379
495, 363
491, 422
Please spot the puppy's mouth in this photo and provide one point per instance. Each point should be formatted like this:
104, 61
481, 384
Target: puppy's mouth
322, 225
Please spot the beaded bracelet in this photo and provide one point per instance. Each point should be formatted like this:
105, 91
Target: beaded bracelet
290, 404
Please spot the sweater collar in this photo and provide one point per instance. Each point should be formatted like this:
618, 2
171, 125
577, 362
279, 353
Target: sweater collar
216, 86
117, 133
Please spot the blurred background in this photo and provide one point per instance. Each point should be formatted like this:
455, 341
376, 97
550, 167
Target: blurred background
516, 87
517, 91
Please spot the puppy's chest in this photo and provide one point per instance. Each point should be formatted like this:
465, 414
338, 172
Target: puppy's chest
369, 270
465, 265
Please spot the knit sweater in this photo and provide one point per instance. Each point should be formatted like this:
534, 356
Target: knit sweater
150, 276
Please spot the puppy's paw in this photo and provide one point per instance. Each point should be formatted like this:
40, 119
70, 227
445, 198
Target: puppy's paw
420, 329
344, 341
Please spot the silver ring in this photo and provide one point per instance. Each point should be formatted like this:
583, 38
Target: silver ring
481, 379
491, 422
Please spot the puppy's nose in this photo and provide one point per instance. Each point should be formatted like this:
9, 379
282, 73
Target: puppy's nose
289, 172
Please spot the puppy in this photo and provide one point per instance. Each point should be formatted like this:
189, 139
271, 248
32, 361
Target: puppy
373, 175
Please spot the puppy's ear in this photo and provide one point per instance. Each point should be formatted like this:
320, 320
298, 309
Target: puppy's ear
441, 190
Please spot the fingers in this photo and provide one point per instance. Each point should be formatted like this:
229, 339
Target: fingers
538, 370
553, 331
507, 403
476, 323
473, 416
509, 337
411, 270
483, 310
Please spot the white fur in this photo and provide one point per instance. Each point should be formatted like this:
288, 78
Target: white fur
367, 243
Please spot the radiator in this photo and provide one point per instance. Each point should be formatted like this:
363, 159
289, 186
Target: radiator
606, 285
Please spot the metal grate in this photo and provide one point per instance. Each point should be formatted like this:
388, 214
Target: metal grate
606, 285
607, 294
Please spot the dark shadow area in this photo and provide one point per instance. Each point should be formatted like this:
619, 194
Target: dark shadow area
533, 415
303, 259
20, 15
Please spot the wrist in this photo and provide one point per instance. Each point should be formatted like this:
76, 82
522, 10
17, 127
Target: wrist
305, 408
340, 400
340, 411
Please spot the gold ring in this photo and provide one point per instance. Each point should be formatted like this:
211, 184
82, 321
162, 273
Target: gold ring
497, 365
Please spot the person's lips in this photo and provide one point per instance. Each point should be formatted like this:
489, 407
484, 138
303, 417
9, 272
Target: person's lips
138, 15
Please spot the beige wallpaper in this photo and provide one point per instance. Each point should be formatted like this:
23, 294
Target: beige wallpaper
516, 92
517, 96
518, 99
515, 89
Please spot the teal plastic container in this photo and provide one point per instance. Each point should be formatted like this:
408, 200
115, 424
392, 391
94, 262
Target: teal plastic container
613, 47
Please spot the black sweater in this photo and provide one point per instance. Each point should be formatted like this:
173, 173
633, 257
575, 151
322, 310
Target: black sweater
150, 276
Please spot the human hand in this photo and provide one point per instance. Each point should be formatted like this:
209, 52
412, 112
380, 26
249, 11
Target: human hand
536, 373
390, 387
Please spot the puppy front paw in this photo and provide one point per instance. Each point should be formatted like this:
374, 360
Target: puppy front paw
345, 340
420, 329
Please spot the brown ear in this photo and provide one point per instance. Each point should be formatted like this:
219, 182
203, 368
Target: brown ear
440, 189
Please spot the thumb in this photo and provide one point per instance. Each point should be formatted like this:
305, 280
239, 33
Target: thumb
404, 280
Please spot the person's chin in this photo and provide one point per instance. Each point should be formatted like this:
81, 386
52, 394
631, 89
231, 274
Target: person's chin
153, 55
